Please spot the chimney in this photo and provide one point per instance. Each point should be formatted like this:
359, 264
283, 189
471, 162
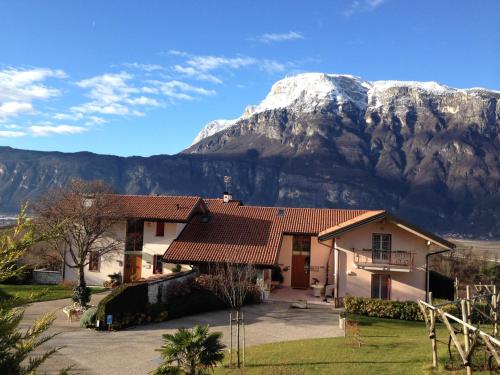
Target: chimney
227, 197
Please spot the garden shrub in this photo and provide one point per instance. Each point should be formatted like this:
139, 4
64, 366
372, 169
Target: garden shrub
407, 310
88, 318
197, 302
81, 294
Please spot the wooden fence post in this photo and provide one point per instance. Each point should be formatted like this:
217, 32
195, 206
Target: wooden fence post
466, 333
495, 310
432, 332
230, 339
468, 304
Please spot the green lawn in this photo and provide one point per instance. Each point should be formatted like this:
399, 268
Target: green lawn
37, 293
389, 347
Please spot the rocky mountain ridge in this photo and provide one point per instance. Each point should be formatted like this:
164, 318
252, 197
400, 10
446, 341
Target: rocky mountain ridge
424, 151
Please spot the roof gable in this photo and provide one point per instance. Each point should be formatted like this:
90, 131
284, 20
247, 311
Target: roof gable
371, 216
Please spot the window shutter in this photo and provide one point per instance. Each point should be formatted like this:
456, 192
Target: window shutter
160, 229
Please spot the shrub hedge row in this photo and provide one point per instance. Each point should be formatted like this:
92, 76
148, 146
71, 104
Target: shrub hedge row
380, 308
407, 310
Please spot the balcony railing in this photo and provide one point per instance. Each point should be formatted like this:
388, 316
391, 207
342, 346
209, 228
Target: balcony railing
368, 258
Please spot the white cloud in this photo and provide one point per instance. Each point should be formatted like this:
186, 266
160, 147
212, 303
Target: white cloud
358, 6
68, 116
20, 87
272, 66
45, 130
204, 67
196, 74
175, 52
11, 134
279, 37
95, 120
10, 109
143, 100
181, 90
113, 94
145, 67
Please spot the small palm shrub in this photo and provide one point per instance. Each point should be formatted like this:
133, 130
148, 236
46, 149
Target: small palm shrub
88, 318
191, 351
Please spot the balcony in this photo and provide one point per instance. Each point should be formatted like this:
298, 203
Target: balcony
380, 260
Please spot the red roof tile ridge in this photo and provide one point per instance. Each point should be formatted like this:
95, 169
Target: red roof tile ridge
157, 196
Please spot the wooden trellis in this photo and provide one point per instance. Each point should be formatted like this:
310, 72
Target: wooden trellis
473, 337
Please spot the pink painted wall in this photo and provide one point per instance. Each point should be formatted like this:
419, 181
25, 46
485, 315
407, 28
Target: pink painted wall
319, 256
404, 285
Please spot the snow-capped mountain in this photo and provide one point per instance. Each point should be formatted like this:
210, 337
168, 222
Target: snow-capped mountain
424, 151
308, 92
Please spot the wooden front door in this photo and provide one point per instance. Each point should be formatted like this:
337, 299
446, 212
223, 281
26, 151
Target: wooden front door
300, 271
133, 266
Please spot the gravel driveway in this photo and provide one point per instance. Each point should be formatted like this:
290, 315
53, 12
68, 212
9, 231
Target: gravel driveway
132, 351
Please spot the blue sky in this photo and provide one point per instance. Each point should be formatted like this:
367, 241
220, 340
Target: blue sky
143, 77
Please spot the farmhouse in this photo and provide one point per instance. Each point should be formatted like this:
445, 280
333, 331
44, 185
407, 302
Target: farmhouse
338, 251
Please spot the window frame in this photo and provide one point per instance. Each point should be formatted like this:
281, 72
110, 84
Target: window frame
378, 278
381, 241
301, 244
160, 229
94, 261
134, 239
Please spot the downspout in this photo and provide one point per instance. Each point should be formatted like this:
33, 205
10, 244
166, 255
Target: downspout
427, 256
337, 269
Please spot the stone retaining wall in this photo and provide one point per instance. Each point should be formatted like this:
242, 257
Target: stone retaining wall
43, 276
157, 289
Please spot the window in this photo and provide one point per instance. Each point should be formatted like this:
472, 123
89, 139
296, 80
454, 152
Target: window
381, 286
94, 261
381, 241
381, 247
157, 264
160, 229
135, 230
301, 245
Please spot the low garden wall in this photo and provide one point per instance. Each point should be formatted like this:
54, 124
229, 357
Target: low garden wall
169, 297
158, 290
43, 276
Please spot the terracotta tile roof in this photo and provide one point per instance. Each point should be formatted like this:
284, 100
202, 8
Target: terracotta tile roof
349, 223
248, 234
160, 207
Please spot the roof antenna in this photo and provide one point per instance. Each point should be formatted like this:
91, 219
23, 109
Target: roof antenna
227, 196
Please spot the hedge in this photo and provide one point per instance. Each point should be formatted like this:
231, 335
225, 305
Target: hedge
407, 310
199, 301
122, 303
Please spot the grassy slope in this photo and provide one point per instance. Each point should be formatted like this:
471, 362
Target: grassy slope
37, 293
390, 347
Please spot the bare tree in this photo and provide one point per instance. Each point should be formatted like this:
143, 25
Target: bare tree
84, 214
233, 283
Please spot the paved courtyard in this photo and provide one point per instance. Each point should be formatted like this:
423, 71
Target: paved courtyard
132, 351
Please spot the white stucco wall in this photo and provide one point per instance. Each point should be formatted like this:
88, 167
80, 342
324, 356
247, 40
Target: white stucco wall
154, 245
110, 263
